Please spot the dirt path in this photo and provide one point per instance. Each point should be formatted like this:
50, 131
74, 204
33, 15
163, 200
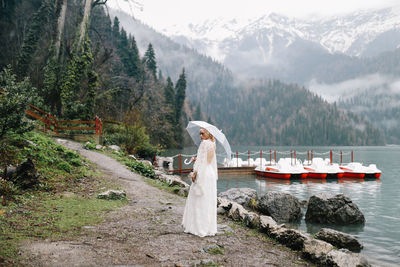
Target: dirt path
147, 232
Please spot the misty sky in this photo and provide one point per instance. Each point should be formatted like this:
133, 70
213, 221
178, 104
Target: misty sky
163, 13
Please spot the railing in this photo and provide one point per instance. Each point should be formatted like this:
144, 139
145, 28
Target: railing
272, 155
51, 123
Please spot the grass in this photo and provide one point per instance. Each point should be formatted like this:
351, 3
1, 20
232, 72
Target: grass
57, 208
162, 185
215, 251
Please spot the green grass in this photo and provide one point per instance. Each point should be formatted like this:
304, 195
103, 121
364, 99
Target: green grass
215, 251
162, 185
47, 211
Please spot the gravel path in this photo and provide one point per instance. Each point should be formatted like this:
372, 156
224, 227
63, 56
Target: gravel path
147, 232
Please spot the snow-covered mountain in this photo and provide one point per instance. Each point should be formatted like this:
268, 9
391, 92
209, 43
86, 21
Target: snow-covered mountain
277, 46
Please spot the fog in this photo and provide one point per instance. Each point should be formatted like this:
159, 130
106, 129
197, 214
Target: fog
374, 84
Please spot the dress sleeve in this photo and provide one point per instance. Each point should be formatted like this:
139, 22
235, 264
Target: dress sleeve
199, 157
201, 160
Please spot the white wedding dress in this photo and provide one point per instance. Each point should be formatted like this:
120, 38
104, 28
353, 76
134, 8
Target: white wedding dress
200, 214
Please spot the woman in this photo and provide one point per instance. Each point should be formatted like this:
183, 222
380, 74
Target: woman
200, 215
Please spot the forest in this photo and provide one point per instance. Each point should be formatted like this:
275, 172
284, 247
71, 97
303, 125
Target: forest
76, 61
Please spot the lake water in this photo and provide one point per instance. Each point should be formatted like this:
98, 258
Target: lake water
378, 199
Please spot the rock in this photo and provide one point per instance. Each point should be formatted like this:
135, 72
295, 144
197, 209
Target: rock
252, 220
291, 238
221, 211
146, 162
316, 250
173, 180
344, 258
165, 162
241, 196
224, 228
267, 224
224, 203
114, 147
333, 209
207, 248
204, 262
25, 175
339, 239
30, 142
10, 172
112, 195
237, 212
282, 207
99, 147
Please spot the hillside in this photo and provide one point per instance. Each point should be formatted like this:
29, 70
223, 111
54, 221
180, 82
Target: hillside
254, 112
150, 86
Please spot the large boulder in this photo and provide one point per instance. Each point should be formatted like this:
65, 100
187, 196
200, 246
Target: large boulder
333, 209
339, 239
282, 207
344, 258
242, 196
316, 250
25, 175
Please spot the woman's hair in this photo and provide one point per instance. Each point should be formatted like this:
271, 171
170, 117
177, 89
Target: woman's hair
210, 136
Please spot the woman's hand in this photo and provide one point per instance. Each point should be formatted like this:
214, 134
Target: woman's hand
193, 159
194, 176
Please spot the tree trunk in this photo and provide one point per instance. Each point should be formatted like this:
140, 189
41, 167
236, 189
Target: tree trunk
60, 27
84, 23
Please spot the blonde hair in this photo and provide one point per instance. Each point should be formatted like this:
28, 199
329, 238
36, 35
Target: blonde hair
210, 136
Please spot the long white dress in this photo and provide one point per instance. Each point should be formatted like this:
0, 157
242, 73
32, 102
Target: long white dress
200, 214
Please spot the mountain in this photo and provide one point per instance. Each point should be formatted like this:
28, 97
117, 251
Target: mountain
291, 49
252, 112
353, 59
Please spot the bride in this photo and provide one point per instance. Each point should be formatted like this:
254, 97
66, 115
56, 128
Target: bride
200, 214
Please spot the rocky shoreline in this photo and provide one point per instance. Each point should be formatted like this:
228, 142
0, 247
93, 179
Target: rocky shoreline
327, 248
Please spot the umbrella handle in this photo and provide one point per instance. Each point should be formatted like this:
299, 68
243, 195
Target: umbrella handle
187, 163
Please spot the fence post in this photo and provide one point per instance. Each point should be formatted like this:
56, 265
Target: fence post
180, 163
155, 161
331, 156
248, 158
56, 124
270, 157
352, 159
237, 159
341, 157
291, 157
261, 165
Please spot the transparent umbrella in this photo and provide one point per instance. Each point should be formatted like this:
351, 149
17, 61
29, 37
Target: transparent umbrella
223, 146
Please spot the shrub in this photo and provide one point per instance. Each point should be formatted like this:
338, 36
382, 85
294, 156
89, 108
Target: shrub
13, 103
90, 145
64, 166
141, 168
132, 138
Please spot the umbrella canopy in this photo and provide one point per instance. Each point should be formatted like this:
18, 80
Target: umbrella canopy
193, 129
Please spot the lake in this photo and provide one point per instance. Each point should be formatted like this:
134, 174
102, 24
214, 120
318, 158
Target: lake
378, 199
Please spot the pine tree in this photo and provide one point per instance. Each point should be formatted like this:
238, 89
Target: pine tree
137, 70
115, 29
180, 90
150, 60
